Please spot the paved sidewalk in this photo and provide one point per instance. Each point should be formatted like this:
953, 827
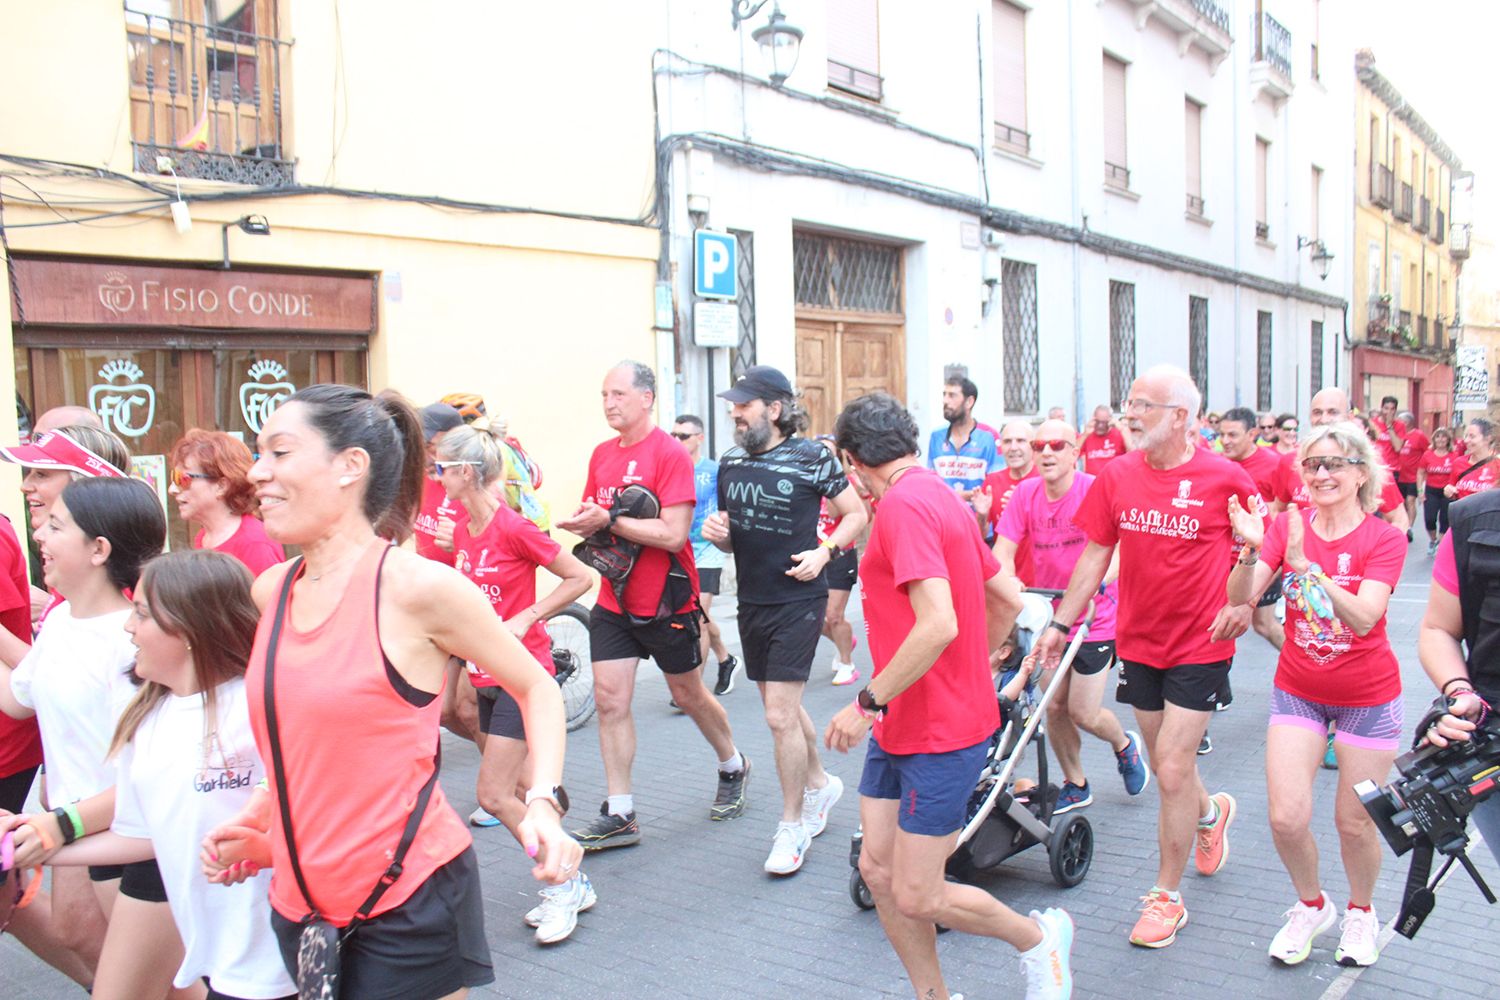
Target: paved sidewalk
689, 913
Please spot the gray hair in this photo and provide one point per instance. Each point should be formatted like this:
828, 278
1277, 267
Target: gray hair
641, 376
1352, 441
1180, 388
480, 446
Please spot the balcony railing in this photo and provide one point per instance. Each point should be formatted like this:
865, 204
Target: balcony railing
1382, 186
861, 83
1403, 202
1403, 321
1421, 331
1262, 230
1211, 10
1440, 230
1116, 176
1458, 241
1012, 138
1194, 205
209, 97
1439, 329
1273, 44
1380, 319
1422, 221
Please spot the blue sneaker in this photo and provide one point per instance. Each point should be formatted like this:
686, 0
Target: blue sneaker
1133, 766
1071, 797
482, 819
1330, 759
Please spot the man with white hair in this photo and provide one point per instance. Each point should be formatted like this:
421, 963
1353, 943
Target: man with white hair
1166, 505
990, 500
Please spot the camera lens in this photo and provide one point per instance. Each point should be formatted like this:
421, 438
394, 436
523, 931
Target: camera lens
1388, 812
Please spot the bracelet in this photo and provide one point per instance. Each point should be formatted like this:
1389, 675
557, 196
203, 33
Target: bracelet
77, 818
1064, 629
872, 716
1454, 680
64, 825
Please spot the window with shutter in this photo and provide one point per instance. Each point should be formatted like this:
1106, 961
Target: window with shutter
1116, 166
1316, 207
1193, 146
1262, 157
854, 47
1009, 62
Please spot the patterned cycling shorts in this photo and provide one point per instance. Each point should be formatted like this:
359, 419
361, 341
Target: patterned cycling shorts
1370, 727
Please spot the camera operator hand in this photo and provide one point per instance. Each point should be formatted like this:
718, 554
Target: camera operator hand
1464, 711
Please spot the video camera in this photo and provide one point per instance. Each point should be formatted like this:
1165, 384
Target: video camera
1426, 809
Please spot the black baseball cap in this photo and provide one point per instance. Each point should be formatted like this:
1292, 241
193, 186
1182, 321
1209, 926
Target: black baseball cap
439, 417
759, 382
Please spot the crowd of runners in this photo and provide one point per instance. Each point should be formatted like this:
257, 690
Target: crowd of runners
240, 796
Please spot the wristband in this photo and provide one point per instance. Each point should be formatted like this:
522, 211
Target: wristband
77, 818
833, 550
1064, 629
1454, 680
872, 716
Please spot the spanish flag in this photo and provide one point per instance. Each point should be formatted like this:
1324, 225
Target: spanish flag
198, 137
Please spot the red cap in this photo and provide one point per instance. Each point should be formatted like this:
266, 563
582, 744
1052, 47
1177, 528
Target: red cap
58, 451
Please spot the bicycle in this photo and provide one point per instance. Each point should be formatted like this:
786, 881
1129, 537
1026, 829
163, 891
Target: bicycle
574, 665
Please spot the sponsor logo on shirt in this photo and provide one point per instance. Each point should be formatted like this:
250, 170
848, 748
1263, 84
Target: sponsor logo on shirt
1155, 522
1182, 500
1343, 564
630, 476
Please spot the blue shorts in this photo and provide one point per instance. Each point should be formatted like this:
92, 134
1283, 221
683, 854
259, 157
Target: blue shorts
933, 788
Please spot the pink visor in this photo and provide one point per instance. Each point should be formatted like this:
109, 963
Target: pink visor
58, 451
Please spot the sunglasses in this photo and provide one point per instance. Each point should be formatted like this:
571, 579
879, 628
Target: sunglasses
182, 479
679, 435
1041, 446
1289, 427
443, 467
1333, 463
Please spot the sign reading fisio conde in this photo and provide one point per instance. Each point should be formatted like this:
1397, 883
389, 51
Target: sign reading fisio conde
89, 293
1471, 378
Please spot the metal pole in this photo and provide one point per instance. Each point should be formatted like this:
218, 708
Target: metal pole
713, 445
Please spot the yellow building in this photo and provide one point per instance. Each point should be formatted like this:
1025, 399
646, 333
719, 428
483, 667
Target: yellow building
1404, 263
210, 203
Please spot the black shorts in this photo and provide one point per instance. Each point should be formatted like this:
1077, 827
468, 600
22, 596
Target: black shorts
142, 880
1094, 657
15, 787
1195, 686
708, 580
671, 642
1273, 592
499, 715
106, 873
1407, 489
843, 572
431, 945
779, 639
214, 994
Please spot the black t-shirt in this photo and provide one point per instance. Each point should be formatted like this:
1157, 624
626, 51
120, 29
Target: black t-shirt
772, 500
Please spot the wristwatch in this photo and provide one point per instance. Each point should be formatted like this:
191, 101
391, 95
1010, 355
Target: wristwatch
866, 699
1064, 629
556, 795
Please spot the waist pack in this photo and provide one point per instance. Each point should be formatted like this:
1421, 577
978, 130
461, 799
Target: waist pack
614, 558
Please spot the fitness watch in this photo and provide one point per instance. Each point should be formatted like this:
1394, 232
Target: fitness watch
557, 796
866, 699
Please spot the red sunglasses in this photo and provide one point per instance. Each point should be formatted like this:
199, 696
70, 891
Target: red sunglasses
1041, 446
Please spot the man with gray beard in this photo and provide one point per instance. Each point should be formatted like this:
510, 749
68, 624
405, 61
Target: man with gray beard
770, 489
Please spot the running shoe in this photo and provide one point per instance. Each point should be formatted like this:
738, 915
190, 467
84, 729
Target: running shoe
557, 914
1293, 943
672, 704
482, 819
1357, 943
1205, 746
608, 830
788, 849
1048, 966
727, 668
1160, 921
1330, 758
1213, 840
817, 803
1071, 797
1132, 765
1432, 548
730, 801
844, 673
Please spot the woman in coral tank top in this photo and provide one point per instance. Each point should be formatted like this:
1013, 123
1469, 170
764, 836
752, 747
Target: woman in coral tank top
358, 672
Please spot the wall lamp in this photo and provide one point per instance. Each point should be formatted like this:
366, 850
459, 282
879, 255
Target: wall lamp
255, 225
780, 42
1321, 258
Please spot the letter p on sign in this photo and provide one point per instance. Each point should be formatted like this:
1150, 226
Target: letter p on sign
714, 273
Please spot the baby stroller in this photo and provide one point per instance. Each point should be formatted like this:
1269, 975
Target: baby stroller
1004, 820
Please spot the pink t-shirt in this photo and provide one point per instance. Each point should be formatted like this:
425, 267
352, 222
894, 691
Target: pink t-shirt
1176, 550
1056, 542
1001, 488
250, 545
1342, 668
435, 506
924, 532
502, 561
1440, 469
1100, 449
1445, 565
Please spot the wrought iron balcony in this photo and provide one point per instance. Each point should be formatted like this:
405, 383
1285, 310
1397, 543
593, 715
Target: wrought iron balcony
1116, 176
1403, 202
1011, 138
860, 83
1262, 230
1271, 69
1195, 205
1421, 331
1458, 241
1382, 186
1203, 23
1378, 327
1422, 221
1403, 320
1440, 229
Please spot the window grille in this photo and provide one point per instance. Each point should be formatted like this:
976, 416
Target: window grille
1198, 343
1121, 342
1263, 361
1315, 382
831, 272
1019, 336
744, 354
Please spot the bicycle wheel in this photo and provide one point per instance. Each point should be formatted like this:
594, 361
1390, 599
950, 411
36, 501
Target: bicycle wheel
569, 629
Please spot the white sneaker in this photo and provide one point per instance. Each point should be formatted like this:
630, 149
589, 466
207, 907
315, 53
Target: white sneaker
1048, 966
1293, 943
844, 673
788, 849
480, 818
557, 914
817, 803
1357, 943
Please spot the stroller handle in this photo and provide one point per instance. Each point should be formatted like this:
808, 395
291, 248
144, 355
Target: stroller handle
1057, 595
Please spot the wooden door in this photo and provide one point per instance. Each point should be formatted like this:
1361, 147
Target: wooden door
840, 360
817, 373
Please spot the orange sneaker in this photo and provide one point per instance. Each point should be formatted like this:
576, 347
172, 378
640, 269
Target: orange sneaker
1213, 840
1160, 920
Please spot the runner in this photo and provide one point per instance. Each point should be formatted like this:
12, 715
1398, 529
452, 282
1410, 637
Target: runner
434, 539
1166, 506
1331, 406
1435, 471
371, 625
523, 476
1479, 468
1390, 432
842, 574
710, 561
1341, 564
963, 453
1287, 427
1413, 446
1263, 465
1104, 443
1269, 433
500, 551
1040, 517
209, 481
770, 485
659, 618
936, 606
992, 497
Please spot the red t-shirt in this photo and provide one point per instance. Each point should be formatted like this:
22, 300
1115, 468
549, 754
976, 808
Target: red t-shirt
1389, 454
1413, 447
924, 532
660, 464
1292, 488
1176, 550
1478, 479
1264, 466
1440, 469
1100, 449
435, 506
502, 561
1344, 668
250, 545
20, 740
827, 523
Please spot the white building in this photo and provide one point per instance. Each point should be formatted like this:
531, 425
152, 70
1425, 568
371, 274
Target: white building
1054, 194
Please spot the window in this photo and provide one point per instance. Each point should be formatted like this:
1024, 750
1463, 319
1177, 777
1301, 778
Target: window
1116, 165
207, 81
1317, 36
1315, 203
1019, 336
1009, 29
1121, 342
830, 272
1315, 355
744, 354
1262, 361
854, 48
1262, 158
1198, 343
1193, 146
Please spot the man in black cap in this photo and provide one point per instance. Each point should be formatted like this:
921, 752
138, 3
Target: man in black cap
770, 490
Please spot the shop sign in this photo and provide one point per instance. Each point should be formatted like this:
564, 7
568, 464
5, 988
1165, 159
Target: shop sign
127, 408
259, 397
1471, 378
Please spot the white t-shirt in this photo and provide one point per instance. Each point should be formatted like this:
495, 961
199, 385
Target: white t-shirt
77, 680
176, 784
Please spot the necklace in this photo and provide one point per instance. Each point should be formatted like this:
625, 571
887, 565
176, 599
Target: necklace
891, 479
330, 569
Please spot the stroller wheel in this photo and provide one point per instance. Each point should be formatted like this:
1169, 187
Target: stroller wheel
859, 892
1071, 850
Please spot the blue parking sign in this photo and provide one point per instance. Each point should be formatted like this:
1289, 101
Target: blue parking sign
714, 274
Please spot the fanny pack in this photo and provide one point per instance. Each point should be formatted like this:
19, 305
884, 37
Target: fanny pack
610, 555
320, 942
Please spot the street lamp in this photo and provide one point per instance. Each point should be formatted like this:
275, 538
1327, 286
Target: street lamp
780, 42
255, 225
1320, 257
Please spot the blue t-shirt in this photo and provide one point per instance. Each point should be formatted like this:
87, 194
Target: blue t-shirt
706, 480
964, 467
